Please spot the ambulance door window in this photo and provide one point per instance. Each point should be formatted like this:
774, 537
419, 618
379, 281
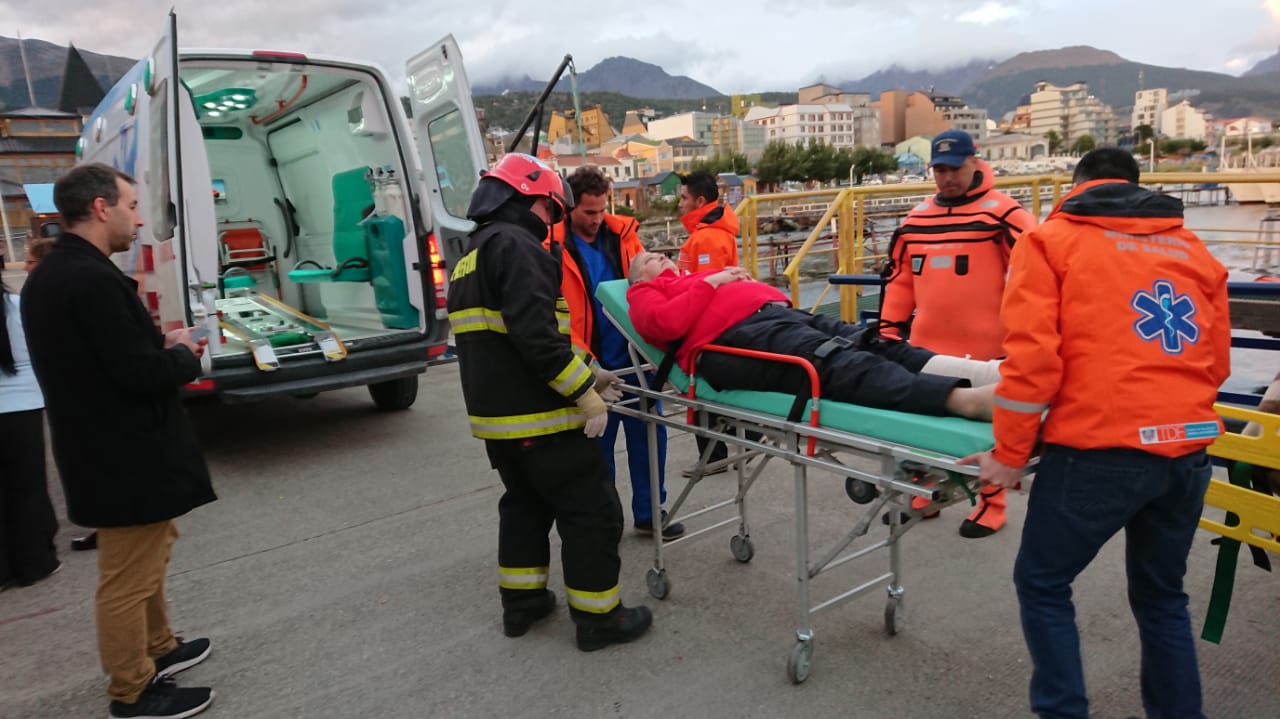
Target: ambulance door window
456, 173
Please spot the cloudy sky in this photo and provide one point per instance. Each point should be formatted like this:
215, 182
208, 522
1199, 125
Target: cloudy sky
762, 45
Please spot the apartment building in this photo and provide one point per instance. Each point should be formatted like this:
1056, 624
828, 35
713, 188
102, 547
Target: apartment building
595, 127
1071, 112
1014, 146
909, 114
838, 125
1149, 107
1182, 121
722, 134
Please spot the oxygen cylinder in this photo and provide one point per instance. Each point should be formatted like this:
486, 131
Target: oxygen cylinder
393, 197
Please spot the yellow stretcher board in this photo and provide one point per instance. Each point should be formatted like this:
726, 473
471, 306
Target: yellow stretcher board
1259, 513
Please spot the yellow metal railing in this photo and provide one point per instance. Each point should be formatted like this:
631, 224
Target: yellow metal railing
848, 209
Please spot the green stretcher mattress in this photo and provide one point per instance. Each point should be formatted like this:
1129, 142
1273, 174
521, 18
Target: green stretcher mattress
951, 436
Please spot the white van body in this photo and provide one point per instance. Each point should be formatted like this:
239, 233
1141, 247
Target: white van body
288, 212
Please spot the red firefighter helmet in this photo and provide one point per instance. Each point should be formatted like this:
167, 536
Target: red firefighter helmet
530, 176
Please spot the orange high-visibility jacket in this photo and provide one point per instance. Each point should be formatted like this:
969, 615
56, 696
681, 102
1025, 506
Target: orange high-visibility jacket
713, 238
948, 260
621, 243
1117, 325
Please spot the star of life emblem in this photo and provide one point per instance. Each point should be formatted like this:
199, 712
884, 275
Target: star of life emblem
1166, 317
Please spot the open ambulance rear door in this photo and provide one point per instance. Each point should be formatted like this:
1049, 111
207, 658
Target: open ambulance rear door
450, 145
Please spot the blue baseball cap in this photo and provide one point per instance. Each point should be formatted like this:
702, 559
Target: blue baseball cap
951, 148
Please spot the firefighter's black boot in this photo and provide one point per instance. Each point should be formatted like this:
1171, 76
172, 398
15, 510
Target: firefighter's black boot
623, 624
520, 614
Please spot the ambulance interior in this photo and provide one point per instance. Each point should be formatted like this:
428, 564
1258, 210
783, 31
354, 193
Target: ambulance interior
311, 204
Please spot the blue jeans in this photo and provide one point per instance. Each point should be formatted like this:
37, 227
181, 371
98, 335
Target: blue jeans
637, 459
1079, 500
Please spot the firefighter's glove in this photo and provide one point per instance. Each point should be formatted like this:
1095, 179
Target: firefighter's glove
608, 385
604, 378
597, 413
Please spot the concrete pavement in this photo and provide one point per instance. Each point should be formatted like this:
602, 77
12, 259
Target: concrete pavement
348, 570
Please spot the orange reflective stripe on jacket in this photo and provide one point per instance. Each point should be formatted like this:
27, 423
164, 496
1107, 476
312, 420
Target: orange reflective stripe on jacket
1117, 324
573, 286
949, 261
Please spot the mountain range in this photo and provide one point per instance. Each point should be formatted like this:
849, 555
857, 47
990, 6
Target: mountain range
622, 75
46, 61
997, 85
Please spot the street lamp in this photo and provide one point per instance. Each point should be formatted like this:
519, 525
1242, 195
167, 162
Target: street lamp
1152, 141
851, 166
1248, 138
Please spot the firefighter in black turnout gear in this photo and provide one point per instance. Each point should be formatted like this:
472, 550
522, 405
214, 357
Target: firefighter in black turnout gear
537, 406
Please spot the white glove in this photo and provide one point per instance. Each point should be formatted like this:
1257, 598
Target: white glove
596, 425
597, 414
604, 378
610, 394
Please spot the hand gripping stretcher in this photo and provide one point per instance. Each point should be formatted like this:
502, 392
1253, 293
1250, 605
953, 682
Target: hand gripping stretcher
915, 456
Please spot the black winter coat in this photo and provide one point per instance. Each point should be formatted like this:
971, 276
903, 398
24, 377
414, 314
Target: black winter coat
123, 444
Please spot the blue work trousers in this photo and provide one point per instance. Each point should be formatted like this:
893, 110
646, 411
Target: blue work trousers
1079, 500
637, 459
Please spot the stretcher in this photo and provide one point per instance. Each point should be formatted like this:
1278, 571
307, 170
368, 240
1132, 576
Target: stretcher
1252, 516
912, 455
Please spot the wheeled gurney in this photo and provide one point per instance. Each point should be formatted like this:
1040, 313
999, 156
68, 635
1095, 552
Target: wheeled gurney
913, 456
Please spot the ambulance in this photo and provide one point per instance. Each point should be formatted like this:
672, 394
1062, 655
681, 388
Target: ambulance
294, 212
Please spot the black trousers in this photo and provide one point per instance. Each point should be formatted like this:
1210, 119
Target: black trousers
27, 522
561, 478
880, 373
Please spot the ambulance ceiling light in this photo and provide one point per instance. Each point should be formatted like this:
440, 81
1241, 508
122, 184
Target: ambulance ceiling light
227, 100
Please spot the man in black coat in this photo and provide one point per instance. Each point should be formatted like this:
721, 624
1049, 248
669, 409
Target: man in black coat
125, 449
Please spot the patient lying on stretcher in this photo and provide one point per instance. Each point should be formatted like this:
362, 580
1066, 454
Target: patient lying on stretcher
727, 307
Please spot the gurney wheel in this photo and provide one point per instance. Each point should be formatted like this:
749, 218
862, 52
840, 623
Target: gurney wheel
861, 492
798, 662
742, 548
894, 619
659, 585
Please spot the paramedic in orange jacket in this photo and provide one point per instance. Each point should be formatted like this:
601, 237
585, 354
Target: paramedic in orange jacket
711, 222
712, 245
598, 247
949, 261
1117, 325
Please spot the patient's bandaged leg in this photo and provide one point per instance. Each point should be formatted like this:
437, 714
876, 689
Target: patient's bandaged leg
978, 372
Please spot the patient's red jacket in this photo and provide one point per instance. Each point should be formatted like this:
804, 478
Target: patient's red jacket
671, 307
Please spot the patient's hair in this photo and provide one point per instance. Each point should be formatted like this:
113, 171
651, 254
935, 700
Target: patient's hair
1106, 163
637, 267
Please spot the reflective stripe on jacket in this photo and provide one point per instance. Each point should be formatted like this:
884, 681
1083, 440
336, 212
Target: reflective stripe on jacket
520, 375
620, 241
949, 259
1117, 325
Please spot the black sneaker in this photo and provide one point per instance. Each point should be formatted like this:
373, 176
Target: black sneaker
516, 622
644, 527
162, 699
623, 624
86, 543
183, 656
687, 473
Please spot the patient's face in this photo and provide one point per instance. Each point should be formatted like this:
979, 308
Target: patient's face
653, 264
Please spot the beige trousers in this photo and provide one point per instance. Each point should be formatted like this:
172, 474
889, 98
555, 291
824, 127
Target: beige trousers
133, 622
